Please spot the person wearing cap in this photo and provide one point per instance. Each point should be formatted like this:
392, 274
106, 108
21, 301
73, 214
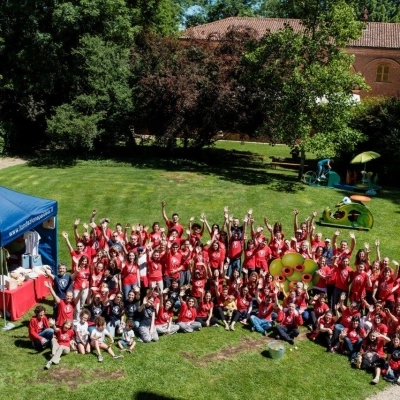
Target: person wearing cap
328, 251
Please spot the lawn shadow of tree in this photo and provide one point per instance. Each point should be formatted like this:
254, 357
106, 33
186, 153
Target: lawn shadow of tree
242, 167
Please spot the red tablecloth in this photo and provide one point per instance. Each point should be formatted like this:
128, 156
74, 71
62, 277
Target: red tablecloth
23, 298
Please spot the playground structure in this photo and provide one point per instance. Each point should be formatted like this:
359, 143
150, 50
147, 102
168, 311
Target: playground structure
350, 213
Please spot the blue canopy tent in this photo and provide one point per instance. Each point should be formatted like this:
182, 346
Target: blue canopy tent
20, 213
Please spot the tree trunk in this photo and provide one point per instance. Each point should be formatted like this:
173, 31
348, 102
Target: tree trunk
302, 160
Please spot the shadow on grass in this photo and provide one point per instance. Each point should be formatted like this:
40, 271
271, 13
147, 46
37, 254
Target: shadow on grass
151, 396
241, 167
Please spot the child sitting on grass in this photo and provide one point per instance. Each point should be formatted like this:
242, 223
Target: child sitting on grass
127, 337
98, 337
61, 343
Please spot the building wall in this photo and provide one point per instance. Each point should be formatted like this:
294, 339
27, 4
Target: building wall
366, 63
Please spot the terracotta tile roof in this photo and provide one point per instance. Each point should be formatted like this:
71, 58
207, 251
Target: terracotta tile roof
376, 34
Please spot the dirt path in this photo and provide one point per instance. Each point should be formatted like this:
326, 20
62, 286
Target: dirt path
392, 392
6, 162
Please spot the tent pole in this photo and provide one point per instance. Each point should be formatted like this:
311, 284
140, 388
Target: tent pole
3, 286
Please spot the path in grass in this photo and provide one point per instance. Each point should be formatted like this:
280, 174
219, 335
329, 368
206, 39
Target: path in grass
6, 162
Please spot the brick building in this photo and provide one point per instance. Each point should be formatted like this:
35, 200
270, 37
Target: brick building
377, 52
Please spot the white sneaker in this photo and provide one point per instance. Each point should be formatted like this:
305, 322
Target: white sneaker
117, 357
323, 177
48, 365
100, 358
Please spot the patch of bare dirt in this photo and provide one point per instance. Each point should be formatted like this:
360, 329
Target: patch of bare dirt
73, 377
231, 351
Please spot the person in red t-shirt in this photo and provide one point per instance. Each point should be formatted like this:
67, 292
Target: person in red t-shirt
205, 311
386, 286
195, 231
235, 252
216, 256
373, 355
290, 320
343, 251
277, 245
324, 332
40, 333
262, 256
263, 322
352, 338
320, 308
173, 264
188, 314
156, 235
249, 262
75, 254
66, 307
130, 273
163, 322
343, 278
359, 284
174, 224
154, 268
61, 343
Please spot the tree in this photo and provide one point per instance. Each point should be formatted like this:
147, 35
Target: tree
71, 58
378, 119
193, 90
295, 69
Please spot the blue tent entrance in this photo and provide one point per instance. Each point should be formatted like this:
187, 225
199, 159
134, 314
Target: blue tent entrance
20, 213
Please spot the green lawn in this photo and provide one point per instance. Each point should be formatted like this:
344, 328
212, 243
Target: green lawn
211, 364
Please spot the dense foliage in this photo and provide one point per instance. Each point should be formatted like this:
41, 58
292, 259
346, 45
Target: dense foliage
65, 68
379, 120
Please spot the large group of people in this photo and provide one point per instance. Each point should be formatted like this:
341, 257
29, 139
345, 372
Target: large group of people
134, 283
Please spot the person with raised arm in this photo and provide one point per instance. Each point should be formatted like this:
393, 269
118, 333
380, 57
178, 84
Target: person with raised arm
62, 282
188, 314
343, 250
290, 320
174, 223
99, 229
66, 307
75, 254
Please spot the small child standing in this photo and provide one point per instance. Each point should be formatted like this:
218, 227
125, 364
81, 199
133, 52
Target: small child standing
61, 343
127, 337
98, 337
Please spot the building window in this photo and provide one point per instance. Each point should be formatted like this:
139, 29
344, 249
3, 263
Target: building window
382, 73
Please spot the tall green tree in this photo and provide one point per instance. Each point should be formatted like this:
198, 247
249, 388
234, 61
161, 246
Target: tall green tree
296, 70
67, 59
